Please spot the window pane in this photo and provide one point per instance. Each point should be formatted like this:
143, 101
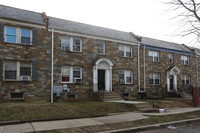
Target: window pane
11, 31
157, 81
157, 76
151, 76
25, 69
12, 39
76, 72
150, 53
128, 79
25, 33
121, 76
76, 44
65, 41
65, 71
10, 70
150, 58
121, 51
156, 59
25, 40
100, 48
128, 51
11, 34
150, 81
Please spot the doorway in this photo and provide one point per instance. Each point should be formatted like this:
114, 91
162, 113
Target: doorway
101, 79
171, 83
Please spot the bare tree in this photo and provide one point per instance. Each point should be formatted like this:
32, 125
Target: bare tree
189, 16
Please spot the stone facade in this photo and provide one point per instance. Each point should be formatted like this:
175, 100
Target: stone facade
39, 56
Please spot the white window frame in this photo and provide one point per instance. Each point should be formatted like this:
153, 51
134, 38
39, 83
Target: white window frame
101, 48
185, 59
154, 78
184, 78
171, 58
71, 74
124, 50
125, 77
71, 44
18, 35
154, 53
17, 70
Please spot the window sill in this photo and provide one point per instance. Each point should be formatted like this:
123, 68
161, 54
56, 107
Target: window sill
18, 44
12, 80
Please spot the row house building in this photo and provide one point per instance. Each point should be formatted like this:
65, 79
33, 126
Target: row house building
43, 56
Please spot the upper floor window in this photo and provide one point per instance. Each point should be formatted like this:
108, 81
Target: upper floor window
16, 70
170, 56
126, 76
101, 48
185, 79
17, 35
72, 44
11, 34
154, 78
184, 60
25, 36
153, 56
125, 51
71, 74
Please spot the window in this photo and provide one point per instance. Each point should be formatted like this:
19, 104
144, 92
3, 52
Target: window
11, 70
101, 48
153, 56
154, 78
25, 36
71, 74
15, 70
185, 79
184, 60
12, 35
72, 44
65, 43
170, 56
125, 51
126, 76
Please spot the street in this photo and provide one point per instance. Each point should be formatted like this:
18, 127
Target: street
192, 128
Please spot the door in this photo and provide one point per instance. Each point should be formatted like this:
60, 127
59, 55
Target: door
101, 79
171, 83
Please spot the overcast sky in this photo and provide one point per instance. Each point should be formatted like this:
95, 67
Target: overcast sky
148, 18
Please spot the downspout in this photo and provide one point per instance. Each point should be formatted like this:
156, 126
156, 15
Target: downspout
197, 67
144, 69
52, 57
139, 67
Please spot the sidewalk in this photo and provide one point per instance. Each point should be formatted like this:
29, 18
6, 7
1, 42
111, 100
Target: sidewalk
64, 124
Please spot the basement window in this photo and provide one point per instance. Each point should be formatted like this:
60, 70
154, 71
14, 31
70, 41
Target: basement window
17, 95
72, 96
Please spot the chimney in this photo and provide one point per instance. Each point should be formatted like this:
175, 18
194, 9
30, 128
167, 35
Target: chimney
46, 19
136, 36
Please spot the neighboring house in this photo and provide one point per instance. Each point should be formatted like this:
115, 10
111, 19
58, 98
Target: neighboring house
166, 65
87, 59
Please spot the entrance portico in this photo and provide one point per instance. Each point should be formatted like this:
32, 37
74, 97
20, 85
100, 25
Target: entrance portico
172, 73
102, 74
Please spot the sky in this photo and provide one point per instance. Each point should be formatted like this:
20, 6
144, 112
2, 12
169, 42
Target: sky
149, 18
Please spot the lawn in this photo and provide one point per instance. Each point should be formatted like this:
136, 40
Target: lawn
43, 110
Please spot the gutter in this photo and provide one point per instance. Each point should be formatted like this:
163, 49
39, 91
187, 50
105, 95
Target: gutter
144, 69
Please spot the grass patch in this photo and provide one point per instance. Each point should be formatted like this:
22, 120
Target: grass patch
40, 110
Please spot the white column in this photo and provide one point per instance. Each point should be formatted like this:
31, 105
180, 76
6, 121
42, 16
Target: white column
110, 79
95, 79
175, 82
107, 80
168, 82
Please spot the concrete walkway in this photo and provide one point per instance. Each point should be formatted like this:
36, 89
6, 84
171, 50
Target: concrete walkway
64, 124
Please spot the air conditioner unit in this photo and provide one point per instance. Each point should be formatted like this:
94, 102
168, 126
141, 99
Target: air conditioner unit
65, 48
25, 78
77, 80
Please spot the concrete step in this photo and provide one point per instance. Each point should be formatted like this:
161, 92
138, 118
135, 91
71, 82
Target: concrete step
144, 107
110, 96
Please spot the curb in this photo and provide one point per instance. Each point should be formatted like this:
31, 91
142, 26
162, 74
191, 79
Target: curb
154, 126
